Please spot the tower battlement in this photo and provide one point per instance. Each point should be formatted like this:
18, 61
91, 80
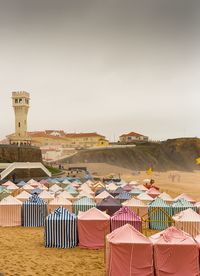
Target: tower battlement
20, 94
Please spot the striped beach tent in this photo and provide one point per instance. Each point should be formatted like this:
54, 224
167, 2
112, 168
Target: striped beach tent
84, 194
59, 201
71, 190
46, 196
10, 211
166, 197
144, 197
127, 187
55, 188
123, 216
123, 196
186, 197
21, 184
188, 221
137, 206
66, 195
159, 214
102, 195
135, 191
83, 204
4, 193
118, 191
181, 205
60, 229
36, 191
153, 192
110, 205
34, 212
23, 196
28, 188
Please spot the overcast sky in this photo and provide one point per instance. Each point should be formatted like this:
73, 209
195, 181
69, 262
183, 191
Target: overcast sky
110, 66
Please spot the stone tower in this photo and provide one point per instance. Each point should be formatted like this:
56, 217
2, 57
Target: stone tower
20, 101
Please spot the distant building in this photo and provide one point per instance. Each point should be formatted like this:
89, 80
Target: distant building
132, 137
20, 101
67, 140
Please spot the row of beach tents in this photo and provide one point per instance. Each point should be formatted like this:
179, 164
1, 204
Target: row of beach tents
33, 212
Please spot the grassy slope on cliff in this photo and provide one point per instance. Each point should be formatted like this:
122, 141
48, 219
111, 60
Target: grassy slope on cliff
173, 154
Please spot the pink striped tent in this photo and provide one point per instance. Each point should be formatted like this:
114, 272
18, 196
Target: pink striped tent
10, 211
93, 226
124, 216
128, 253
175, 253
188, 221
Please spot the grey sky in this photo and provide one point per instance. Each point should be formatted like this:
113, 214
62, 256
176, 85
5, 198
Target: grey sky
108, 66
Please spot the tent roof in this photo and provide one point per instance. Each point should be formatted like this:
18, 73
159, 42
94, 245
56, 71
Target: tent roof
123, 195
84, 201
103, 194
158, 202
185, 196
12, 187
65, 194
10, 200
31, 181
60, 201
125, 213
8, 183
134, 202
55, 188
45, 195
28, 187
24, 195
172, 235
34, 199
93, 214
165, 196
61, 214
127, 234
145, 196
109, 201
182, 203
187, 215
153, 191
112, 187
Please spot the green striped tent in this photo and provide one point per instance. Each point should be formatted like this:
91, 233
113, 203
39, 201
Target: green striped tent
83, 204
181, 205
159, 214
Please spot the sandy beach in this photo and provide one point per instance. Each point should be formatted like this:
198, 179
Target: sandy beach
22, 251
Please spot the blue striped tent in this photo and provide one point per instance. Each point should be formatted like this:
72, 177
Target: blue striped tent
34, 212
160, 214
60, 229
123, 197
83, 204
181, 205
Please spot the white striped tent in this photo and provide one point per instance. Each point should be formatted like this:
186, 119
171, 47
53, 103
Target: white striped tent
188, 221
83, 204
34, 212
60, 229
159, 213
181, 205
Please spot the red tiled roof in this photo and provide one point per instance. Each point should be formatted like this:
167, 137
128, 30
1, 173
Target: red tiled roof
133, 134
81, 135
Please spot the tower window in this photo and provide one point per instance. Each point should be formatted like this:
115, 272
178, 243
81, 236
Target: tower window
16, 100
18, 124
20, 100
